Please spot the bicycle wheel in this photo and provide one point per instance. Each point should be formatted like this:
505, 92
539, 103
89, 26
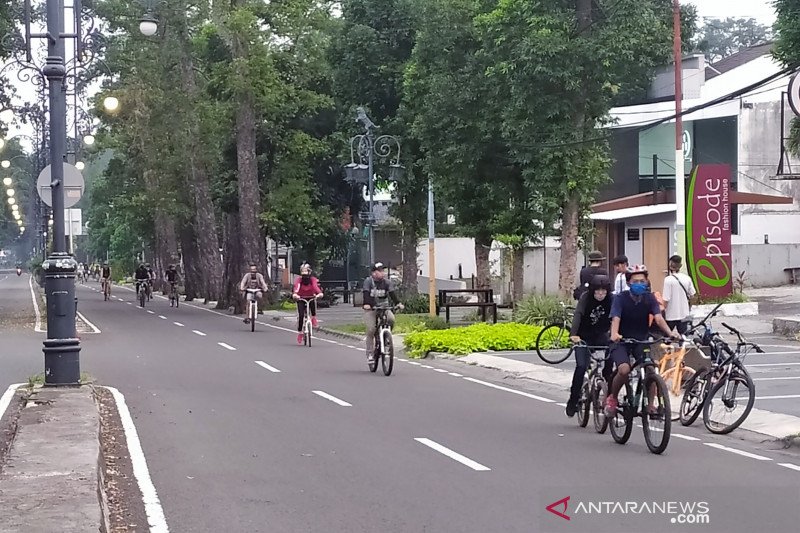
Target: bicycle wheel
552, 344
373, 364
307, 333
253, 314
658, 424
105, 293
599, 394
584, 403
729, 402
669, 377
621, 424
387, 357
141, 297
693, 398
177, 299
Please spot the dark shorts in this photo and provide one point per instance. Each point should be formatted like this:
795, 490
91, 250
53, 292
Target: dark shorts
622, 353
681, 326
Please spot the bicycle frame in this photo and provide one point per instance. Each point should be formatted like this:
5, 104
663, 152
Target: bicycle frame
383, 325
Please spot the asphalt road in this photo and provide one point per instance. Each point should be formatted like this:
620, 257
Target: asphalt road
309, 440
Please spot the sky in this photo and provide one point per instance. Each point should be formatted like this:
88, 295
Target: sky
760, 10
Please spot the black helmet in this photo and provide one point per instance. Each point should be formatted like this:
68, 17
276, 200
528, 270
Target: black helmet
600, 281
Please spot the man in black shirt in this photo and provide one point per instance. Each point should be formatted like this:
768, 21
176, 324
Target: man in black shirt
590, 325
588, 272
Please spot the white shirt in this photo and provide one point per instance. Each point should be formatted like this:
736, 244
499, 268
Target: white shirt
676, 303
620, 283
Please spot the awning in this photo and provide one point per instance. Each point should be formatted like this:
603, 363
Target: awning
649, 201
633, 212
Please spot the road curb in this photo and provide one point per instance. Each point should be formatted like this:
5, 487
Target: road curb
341, 334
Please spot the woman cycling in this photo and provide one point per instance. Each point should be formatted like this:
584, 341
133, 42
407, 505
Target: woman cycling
306, 287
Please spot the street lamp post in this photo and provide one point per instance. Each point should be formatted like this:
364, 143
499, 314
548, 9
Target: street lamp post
364, 148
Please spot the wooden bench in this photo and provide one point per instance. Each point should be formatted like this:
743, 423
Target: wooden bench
485, 301
794, 274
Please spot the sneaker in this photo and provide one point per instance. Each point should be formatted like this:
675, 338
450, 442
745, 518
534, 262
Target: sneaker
611, 407
314, 321
371, 358
571, 409
299, 338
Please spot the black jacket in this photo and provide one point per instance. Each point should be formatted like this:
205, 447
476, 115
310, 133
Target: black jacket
592, 319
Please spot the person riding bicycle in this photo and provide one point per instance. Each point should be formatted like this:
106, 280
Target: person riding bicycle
141, 276
378, 291
306, 286
630, 319
253, 280
172, 276
590, 325
105, 274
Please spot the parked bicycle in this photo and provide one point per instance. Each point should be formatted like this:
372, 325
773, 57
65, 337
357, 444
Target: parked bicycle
252, 307
308, 325
552, 344
725, 392
594, 390
174, 300
384, 344
650, 402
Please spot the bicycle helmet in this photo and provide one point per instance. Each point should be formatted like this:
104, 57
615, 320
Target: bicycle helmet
600, 281
636, 269
377, 266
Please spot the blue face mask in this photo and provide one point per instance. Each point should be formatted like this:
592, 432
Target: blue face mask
639, 288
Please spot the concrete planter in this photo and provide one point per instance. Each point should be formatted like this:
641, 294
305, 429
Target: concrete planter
742, 309
786, 326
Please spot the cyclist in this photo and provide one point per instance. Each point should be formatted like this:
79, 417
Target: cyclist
253, 280
152, 276
306, 286
172, 276
630, 319
106, 277
378, 291
589, 325
142, 275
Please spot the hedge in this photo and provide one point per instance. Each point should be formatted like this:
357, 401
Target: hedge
471, 339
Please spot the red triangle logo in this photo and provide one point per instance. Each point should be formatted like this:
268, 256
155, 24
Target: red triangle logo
565, 503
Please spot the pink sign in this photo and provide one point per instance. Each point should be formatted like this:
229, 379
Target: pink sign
708, 230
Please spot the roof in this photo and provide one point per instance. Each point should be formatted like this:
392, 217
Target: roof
737, 60
633, 212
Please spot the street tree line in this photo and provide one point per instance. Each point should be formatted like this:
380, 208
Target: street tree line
235, 118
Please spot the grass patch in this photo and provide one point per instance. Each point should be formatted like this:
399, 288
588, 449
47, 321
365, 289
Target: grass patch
471, 339
283, 305
735, 298
402, 324
38, 379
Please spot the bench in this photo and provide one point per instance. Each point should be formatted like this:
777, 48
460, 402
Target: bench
485, 302
794, 273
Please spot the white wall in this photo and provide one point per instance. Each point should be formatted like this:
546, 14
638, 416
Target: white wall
450, 252
764, 264
541, 279
633, 249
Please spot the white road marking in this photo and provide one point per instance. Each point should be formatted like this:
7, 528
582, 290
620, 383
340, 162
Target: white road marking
776, 379
38, 325
440, 370
334, 399
785, 465
5, 399
415, 363
466, 461
152, 506
151, 312
426, 366
198, 333
227, 346
561, 404
455, 374
783, 397
738, 452
795, 352
353, 347
162, 317
86, 320
512, 391
268, 367
178, 324
748, 365
128, 303
685, 437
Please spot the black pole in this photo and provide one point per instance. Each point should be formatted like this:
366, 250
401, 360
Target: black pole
61, 348
655, 179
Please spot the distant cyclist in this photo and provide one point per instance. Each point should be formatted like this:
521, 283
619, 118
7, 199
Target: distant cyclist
142, 276
105, 277
306, 286
172, 276
378, 292
253, 280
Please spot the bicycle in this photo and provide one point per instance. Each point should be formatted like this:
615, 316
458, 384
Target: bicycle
106, 286
143, 288
173, 295
308, 326
555, 337
651, 391
594, 390
252, 307
384, 344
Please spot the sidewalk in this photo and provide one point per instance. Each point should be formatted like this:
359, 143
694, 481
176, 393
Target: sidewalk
53, 456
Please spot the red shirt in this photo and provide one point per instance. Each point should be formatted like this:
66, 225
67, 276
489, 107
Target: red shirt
306, 291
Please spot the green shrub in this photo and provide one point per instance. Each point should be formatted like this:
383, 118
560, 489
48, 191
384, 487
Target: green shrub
471, 339
539, 310
402, 324
415, 304
735, 298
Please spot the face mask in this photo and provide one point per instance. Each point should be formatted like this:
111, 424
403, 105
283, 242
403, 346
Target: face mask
306, 279
639, 288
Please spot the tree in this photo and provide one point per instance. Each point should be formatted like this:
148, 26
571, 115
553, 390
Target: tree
787, 51
720, 38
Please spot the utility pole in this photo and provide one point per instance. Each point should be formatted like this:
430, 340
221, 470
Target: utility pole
431, 252
680, 178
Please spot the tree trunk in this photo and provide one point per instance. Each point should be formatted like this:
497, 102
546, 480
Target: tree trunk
483, 278
232, 253
518, 274
192, 274
410, 264
199, 183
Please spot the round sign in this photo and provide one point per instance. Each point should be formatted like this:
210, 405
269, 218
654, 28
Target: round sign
73, 185
687, 145
794, 94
